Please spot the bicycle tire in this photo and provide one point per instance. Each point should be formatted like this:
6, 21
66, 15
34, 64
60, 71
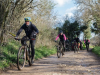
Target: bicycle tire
75, 48
61, 48
21, 63
30, 56
58, 52
87, 47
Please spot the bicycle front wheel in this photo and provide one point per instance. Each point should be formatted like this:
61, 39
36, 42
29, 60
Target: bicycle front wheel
30, 56
21, 57
58, 52
75, 48
87, 47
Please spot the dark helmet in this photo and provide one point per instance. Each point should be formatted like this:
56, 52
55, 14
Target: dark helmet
61, 32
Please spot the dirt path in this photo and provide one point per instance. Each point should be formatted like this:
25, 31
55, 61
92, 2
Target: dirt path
83, 63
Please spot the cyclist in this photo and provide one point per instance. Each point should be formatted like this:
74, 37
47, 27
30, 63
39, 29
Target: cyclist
80, 45
77, 40
62, 39
67, 43
87, 42
31, 32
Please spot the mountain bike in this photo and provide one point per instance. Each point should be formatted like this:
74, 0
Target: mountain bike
67, 46
24, 53
87, 46
76, 47
60, 49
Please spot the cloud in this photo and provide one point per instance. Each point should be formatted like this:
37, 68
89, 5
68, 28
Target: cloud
70, 14
62, 2
70, 11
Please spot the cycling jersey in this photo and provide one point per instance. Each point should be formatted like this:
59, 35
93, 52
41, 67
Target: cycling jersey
77, 40
62, 37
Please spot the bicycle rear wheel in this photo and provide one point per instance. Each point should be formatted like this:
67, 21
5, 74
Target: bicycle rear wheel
21, 57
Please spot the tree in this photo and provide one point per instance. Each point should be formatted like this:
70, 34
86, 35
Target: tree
11, 11
87, 32
89, 10
72, 29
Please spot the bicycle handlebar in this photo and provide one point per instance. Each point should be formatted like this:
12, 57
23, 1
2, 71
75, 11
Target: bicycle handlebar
25, 39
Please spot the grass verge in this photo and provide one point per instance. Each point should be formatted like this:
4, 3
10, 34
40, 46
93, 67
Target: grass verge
96, 50
8, 53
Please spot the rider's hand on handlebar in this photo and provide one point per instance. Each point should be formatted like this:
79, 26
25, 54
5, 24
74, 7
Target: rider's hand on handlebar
16, 38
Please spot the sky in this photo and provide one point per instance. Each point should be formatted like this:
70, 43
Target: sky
64, 7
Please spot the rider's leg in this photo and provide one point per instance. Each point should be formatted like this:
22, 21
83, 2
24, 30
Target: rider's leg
32, 42
63, 47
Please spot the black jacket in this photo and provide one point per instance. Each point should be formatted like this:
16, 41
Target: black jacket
77, 40
29, 30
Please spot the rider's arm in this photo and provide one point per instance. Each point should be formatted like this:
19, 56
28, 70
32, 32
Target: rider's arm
35, 28
89, 41
64, 37
57, 38
19, 31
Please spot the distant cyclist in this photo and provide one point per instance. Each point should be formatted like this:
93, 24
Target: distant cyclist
87, 42
31, 32
77, 40
67, 44
81, 45
62, 38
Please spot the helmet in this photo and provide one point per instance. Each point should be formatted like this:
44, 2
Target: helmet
27, 19
61, 32
75, 36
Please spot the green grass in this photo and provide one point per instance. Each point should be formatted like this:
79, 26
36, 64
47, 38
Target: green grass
84, 47
44, 52
96, 50
8, 53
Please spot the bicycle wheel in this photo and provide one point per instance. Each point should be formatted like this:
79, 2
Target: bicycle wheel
75, 48
58, 52
30, 56
87, 47
21, 57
